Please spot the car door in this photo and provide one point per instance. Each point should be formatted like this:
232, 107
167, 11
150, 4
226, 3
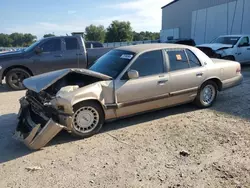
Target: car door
73, 55
149, 91
50, 57
243, 51
186, 75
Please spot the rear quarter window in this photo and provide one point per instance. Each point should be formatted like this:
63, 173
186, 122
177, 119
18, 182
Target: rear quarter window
193, 60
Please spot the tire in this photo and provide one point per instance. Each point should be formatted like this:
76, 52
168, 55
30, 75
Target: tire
88, 119
231, 58
15, 77
206, 100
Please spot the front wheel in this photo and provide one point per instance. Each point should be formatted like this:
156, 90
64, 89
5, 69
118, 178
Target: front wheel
88, 119
206, 95
15, 77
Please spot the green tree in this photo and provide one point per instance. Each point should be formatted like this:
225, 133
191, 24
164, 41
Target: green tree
28, 39
119, 32
48, 35
146, 36
95, 33
5, 40
21, 40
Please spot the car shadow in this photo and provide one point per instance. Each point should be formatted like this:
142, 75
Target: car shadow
10, 148
5, 88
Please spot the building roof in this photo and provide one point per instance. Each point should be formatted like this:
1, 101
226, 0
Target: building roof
174, 1
148, 47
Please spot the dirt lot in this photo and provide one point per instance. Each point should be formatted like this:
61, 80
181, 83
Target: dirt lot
143, 151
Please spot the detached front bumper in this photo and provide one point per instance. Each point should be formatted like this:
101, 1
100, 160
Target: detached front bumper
34, 130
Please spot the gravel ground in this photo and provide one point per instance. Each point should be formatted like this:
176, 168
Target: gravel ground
177, 147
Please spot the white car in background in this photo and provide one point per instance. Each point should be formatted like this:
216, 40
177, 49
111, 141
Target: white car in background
231, 47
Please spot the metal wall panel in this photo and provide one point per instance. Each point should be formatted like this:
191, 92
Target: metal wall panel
246, 18
205, 20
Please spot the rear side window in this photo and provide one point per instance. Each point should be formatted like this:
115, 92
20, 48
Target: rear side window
71, 44
177, 60
149, 63
193, 60
51, 45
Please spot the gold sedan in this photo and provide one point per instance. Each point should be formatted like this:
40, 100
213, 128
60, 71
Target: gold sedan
124, 82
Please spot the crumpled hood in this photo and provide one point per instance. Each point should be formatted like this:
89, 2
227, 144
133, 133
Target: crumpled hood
215, 46
11, 54
43, 81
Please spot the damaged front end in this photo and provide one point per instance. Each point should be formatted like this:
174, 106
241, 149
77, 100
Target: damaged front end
37, 125
44, 112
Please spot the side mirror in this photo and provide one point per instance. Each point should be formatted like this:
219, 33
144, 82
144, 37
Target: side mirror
133, 74
38, 50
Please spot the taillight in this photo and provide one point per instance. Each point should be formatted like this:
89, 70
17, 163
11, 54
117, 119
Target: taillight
238, 70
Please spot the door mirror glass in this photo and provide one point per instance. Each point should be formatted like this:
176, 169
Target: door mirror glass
38, 50
133, 74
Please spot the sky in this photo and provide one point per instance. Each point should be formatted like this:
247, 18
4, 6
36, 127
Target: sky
62, 17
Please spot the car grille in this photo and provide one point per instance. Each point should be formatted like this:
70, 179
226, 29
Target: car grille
36, 104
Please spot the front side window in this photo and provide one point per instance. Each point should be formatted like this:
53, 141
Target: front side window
51, 45
71, 44
244, 41
177, 60
193, 60
149, 63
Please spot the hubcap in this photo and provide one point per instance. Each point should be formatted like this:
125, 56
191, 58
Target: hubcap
85, 119
16, 79
208, 94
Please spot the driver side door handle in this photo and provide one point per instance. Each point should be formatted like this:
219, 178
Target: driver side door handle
200, 74
162, 82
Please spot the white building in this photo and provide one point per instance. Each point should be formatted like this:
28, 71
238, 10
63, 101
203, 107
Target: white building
204, 20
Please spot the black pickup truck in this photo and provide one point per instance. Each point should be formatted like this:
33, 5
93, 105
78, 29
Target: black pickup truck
47, 55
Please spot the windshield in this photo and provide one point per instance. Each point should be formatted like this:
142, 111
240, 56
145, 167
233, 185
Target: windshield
32, 46
113, 62
226, 40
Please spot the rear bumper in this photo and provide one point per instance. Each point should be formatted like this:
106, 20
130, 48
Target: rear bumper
33, 131
227, 84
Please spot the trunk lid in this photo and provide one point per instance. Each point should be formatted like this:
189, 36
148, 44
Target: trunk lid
43, 81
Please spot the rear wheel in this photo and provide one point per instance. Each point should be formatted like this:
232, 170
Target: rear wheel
207, 94
15, 77
88, 119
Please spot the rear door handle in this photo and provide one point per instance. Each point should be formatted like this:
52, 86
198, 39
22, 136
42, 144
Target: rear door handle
162, 82
58, 55
248, 48
78, 54
199, 74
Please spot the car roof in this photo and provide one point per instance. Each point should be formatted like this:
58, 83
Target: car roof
148, 47
233, 35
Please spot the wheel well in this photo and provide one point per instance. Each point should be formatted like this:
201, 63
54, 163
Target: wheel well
217, 81
17, 66
94, 101
229, 56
